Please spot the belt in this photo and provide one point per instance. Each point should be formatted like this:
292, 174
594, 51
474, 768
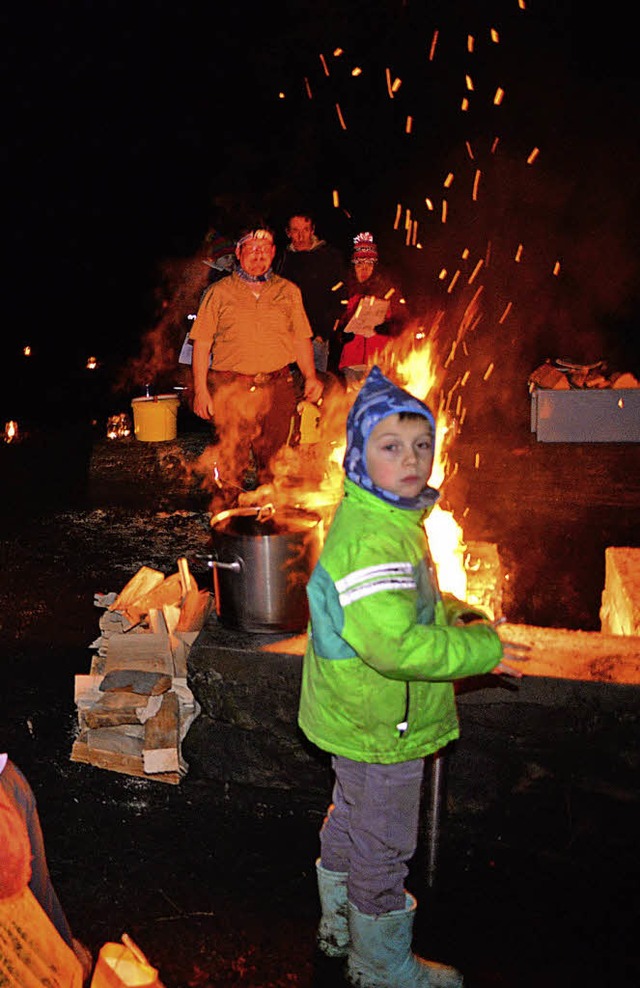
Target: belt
251, 379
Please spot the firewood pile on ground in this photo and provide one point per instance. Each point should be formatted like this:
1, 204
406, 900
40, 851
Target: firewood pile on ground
134, 707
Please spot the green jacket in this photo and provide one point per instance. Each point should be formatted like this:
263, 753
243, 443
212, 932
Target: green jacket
382, 655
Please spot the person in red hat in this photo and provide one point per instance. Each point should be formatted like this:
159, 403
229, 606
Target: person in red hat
375, 310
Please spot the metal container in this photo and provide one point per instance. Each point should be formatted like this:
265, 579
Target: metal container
262, 561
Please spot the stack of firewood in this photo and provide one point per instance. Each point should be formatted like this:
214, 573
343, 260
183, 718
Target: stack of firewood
135, 708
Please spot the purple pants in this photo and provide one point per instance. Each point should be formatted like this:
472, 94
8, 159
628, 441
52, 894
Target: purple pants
371, 830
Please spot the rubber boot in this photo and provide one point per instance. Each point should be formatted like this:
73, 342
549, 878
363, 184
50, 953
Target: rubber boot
380, 955
333, 929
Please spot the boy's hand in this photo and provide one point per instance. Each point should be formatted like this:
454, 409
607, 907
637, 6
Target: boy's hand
511, 652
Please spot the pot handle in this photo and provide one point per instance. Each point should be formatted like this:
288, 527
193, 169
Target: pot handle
235, 566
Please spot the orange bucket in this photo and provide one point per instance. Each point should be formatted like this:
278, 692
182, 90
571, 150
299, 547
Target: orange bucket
155, 419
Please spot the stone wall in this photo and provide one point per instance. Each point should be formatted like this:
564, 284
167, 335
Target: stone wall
538, 733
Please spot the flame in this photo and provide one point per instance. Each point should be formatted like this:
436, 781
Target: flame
118, 426
447, 549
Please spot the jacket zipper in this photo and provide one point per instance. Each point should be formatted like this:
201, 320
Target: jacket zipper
404, 723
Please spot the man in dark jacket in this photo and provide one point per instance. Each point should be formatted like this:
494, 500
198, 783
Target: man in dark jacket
319, 271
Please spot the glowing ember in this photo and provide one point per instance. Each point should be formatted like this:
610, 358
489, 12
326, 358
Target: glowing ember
11, 432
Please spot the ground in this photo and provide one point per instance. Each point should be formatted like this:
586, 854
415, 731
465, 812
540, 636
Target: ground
215, 884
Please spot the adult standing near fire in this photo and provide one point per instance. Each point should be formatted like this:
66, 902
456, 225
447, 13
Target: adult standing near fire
383, 651
250, 329
371, 288
319, 271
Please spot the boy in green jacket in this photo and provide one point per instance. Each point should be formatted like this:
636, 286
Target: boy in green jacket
384, 648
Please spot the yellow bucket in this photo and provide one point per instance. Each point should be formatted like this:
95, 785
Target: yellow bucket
155, 419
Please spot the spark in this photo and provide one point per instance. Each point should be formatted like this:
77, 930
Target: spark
518, 256
448, 180
340, 117
472, 276
556, 268
396, 222
505, 313
487, 374
476, 183
324, 65
434, 42
409, 125
308, 88
533, 155
499, 96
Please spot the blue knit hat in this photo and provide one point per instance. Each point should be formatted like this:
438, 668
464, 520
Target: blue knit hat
379, 397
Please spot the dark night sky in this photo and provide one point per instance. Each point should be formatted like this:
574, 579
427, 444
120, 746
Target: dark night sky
126, 125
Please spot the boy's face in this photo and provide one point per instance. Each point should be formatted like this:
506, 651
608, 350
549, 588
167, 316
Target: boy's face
400, 454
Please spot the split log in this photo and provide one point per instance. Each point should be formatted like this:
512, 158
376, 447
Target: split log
136, 681
167, 592
138, 586
161, 747
196, 608
115, 710
147, 650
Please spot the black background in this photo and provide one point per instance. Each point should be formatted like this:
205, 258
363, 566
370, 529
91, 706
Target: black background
129, 129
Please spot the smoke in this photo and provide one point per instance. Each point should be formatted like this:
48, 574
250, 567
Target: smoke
180, 285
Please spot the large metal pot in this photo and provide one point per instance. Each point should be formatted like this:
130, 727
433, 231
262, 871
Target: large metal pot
262, 560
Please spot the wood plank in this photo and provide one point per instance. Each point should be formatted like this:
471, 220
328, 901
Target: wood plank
587, 655
186, 579
118, 762
161, 747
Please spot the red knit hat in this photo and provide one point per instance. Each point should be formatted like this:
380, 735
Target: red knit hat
364, 248
15, 856
219, 246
